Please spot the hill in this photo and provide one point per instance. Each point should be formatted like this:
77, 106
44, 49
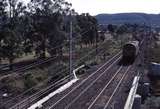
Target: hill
121, 18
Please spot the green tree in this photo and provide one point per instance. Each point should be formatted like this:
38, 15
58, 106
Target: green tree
111, 28
3, 20
11, 40
47, 17
89, 28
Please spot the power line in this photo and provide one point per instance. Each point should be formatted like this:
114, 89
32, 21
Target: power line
64, 70
54, 58
14, 72
70, 48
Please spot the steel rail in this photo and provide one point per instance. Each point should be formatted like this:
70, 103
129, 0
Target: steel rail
92, 84
116, 89
38, 94
58, 73
85, 80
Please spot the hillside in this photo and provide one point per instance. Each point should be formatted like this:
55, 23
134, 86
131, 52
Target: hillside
139, 18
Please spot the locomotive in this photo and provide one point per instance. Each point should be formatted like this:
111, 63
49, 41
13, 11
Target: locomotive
129, 52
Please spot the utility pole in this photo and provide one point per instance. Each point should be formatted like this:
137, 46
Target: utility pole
70, 48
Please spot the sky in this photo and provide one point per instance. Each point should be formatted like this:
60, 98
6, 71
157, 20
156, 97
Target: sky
95, 7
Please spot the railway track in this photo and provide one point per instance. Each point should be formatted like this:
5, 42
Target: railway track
19, 70
104, 98
26, 102
113, 95
89, 97
120, 97
20, 97
71, 95
32, 99
96, 91
37, 63
19, 65
22, 68
102, 88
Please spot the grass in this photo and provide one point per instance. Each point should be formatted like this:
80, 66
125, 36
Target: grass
24, 57
155, 53
41, 76
153, 102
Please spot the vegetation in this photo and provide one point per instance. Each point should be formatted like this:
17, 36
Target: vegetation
41, 26
152, 103
155, 52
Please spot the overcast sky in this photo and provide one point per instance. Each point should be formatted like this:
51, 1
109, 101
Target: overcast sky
95, 7
115, 6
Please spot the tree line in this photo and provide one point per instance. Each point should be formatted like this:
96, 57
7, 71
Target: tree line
39, 26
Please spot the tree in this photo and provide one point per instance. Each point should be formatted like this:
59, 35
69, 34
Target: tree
88, 26
3, 17
47, 17
25, 29
111, 28
11, 40
122, 29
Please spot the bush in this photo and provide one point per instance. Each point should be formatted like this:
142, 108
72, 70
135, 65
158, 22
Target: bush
29, 81
152, 103
93, 63
12, 84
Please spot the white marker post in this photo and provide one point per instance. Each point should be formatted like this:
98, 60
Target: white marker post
75, 70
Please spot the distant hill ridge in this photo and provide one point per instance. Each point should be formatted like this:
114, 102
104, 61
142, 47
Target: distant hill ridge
121, 18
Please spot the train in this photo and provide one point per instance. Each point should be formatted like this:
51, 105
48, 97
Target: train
130, 51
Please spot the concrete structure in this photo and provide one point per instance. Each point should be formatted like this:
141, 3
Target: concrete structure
137, 102
39, 104
133, 99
